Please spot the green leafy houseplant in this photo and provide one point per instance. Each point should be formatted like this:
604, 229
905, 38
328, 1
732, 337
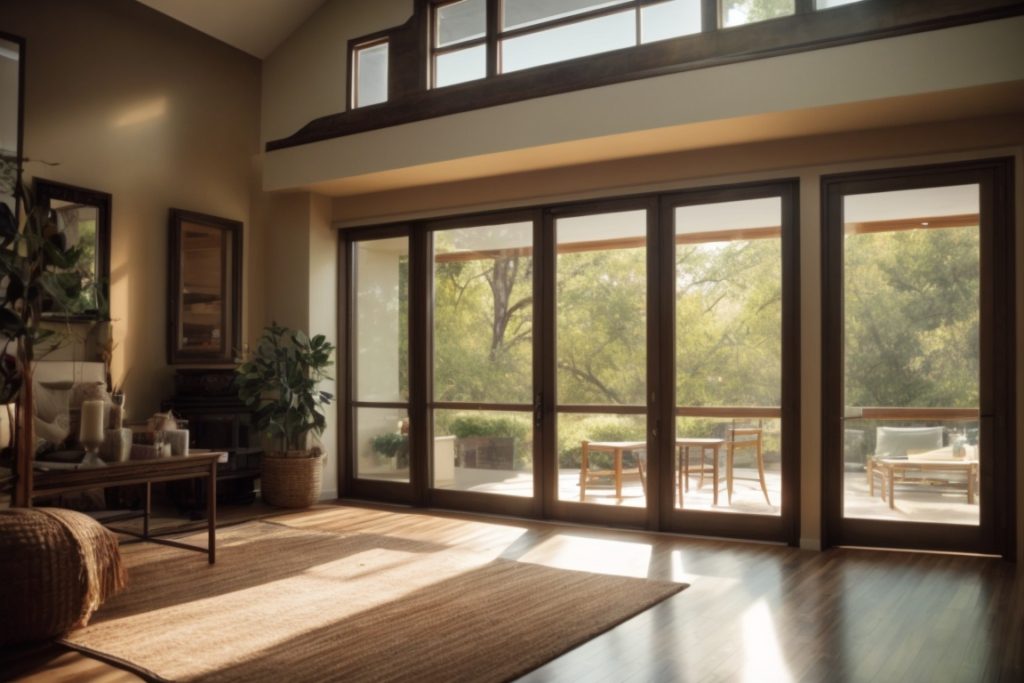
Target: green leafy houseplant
392, 445
280, 384
36, 266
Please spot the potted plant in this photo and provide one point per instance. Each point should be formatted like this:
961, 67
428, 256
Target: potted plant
392, 445
37, 268
279, 383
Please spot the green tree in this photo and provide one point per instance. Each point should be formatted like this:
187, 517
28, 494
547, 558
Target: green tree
759, 10
911, 315
483, 324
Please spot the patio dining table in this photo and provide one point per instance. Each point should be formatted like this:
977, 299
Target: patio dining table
616, 448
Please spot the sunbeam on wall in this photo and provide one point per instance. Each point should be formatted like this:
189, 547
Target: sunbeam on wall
141, 112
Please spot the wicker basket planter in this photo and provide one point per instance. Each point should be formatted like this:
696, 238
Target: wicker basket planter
292, 479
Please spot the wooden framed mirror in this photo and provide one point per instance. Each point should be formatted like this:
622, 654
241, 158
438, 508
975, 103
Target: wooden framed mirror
12, 89
83, 216
204, 314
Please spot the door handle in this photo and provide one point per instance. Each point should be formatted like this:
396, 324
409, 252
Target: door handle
538, 410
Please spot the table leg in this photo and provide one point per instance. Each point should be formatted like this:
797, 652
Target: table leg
714, 473
149, 507
211, 513
584, 465
891, 478
700, 482
730, 452
871, 478
971, 473
618, 473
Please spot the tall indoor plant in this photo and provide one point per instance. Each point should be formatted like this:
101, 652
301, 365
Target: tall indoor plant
280, 384
36, 265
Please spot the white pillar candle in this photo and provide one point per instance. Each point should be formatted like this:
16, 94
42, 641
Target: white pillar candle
92, 427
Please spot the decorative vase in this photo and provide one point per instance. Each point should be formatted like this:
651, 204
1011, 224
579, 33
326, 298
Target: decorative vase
292, 479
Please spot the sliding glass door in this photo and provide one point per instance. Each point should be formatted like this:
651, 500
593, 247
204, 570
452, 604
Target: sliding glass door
626, 362
377, 417
918, 410
732, 303
600, 354
482, 393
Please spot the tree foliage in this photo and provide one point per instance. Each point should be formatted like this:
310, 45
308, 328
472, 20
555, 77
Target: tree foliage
911, 315
911, 321
759, 10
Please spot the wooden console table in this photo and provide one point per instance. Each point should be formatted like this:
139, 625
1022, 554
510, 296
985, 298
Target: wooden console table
201, 465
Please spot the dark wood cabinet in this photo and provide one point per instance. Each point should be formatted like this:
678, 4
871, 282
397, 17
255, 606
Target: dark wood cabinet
217, 420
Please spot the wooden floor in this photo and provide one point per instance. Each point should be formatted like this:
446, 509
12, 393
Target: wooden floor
752, 613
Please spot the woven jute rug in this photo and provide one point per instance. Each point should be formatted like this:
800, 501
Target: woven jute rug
288, 604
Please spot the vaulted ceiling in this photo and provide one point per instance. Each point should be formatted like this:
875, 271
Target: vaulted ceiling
253, 26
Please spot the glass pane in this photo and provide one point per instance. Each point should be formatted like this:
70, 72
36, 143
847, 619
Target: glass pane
77, 222
669, 20
519, 13
371, 75
912, 275
483, 314
601, 305
739, 12
10, 57
204, 318
827, 4
382, 444
729, 354
485, 452
381, 320
729, 303
728, 464
614, 470
460, 66
460, 21
568, 42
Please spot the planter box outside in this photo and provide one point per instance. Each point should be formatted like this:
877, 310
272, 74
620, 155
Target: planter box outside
486, 452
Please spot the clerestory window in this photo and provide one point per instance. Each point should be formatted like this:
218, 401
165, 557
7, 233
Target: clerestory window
370, 73
529, 33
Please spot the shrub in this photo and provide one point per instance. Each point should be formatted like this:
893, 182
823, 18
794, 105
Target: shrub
469, 425
392, 445
572, 433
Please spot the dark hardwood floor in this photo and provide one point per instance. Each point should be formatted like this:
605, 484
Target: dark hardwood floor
752, 613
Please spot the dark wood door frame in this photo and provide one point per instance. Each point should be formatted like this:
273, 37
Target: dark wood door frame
590, 513
997, 529
784, 527
659, 408
348, 405
454, 499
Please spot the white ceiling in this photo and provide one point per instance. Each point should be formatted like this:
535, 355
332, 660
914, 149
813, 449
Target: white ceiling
253, 26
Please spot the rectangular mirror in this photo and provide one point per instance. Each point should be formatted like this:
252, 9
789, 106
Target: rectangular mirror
204, 314
12, 73
83, 217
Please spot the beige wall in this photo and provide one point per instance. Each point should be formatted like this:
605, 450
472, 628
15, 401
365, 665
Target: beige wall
302, 283
305, 77
129, 102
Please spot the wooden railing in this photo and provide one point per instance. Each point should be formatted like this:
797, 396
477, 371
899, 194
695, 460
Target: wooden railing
889, 413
